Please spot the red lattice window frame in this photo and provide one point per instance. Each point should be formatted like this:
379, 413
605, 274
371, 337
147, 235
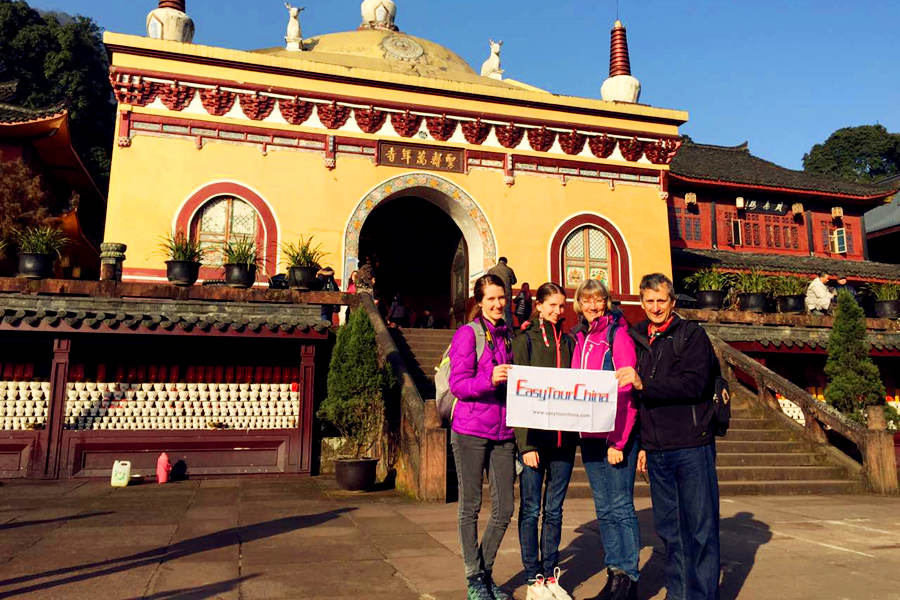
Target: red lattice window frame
187, 221
620, 273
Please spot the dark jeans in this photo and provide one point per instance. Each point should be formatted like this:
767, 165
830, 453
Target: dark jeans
554, 469
472, 455
613, 489
685, 494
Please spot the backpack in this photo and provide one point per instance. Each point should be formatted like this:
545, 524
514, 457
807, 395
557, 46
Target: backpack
446, 401
716, 388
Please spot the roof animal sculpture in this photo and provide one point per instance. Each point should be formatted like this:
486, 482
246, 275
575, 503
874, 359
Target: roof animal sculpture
491, 67
294, 37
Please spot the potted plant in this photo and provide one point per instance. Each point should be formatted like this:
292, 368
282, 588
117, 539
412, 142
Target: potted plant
789, 292
241, 261
185, 254
751, 288
303, 261
39, 247
887, 299
710, 285
354, 403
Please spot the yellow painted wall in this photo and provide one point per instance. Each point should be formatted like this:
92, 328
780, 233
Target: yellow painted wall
154, 177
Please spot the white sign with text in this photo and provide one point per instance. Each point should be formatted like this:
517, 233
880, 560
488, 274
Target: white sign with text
561, 399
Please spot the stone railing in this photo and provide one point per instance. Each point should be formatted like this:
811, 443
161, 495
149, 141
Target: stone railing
418, 444
875, 444
741, 317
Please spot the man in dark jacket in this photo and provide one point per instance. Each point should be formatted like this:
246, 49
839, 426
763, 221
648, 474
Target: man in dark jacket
675, 406
504, 272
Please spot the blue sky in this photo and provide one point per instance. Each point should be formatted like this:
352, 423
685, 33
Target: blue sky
782, 75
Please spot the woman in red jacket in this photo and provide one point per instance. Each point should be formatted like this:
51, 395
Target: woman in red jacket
610, 458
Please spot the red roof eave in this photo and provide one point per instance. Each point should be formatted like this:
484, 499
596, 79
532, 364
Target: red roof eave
771, 188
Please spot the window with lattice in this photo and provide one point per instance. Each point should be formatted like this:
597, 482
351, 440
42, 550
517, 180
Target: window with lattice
224, 220
586, 255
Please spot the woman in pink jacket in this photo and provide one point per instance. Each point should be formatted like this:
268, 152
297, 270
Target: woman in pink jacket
602, 342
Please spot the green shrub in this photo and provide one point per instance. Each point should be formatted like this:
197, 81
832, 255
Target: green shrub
884, 291
708, 280
181, 247
357, 385
750, 282
853, 379
303, 253
41, 239
241, 252
788, 285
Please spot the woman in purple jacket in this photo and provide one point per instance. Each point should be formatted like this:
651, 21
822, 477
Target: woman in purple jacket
610, 458
479, 435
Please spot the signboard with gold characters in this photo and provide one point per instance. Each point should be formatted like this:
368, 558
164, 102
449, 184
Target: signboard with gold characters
421, 157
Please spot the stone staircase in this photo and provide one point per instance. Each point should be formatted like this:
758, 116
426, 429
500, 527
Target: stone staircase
758, 456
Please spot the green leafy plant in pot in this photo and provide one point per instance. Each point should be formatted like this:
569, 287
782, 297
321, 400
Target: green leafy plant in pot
241, 263
354, 404
751, 288
887, 299
710, 285
185, 255
303, 261
789, 292
39, 247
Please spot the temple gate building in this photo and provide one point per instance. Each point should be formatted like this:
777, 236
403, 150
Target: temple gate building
381, 144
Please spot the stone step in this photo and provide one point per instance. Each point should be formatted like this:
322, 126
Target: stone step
769, 459
751, 423
757, 435
760, 473
759, 446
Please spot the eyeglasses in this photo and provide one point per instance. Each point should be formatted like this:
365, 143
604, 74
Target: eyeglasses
595, 301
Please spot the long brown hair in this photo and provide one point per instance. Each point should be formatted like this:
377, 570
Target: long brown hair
545, 291
480, 284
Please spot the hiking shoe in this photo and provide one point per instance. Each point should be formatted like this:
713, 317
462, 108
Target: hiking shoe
556, 590
537, 590
607, 589
477, 590
497, 592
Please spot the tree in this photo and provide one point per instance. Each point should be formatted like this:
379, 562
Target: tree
24, 200
356, 384
866, 153
57, 58
853, 379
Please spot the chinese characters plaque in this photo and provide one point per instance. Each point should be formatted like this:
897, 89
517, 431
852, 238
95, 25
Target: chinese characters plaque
421, 157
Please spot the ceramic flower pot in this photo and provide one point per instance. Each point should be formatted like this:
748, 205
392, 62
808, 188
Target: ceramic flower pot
355, 474
791, 304
240, 275
752, 302
887, 309
36, 266
182, 272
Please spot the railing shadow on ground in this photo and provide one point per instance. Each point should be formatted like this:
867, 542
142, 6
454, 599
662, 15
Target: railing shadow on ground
203, 543
582, 558
15, 524
823, 425
210, 590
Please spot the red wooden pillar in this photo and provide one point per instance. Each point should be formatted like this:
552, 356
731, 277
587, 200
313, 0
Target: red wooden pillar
49, 446
307, 390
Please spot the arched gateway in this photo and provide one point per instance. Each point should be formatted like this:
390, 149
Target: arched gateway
475, 254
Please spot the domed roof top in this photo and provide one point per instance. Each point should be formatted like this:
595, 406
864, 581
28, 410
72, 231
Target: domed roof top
382, 50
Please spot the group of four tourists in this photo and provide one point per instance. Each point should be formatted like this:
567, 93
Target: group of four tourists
662, 366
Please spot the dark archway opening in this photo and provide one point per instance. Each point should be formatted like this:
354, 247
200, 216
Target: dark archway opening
412, 244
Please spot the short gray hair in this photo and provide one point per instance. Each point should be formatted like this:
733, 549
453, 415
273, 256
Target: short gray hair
589, 287
654, 281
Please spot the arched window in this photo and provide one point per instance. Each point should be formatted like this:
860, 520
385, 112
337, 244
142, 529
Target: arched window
588, 245
223, 220
586, 256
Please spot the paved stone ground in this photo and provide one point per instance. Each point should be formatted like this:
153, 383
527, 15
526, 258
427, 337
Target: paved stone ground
301, 538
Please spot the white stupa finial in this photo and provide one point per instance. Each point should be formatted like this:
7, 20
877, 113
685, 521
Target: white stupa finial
294, 38
169, 22
379, 14
491, 67
620, 86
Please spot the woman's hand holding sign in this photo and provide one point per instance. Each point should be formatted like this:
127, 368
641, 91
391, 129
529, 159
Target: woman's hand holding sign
500, 374
627, 375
